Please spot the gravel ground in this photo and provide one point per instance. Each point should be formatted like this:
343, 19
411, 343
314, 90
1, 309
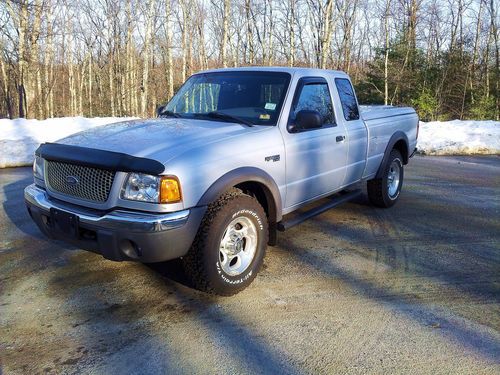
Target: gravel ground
413, 290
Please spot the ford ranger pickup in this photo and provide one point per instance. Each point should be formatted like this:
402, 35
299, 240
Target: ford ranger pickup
224, 166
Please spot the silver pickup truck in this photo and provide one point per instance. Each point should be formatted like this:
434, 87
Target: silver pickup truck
216, 175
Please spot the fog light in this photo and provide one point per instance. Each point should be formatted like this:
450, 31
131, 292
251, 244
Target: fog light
130, 249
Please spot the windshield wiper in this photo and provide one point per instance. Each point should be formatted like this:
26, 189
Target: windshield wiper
169, 114
225, 116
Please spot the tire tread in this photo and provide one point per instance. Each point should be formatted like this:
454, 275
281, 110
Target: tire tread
194, 260
377, 192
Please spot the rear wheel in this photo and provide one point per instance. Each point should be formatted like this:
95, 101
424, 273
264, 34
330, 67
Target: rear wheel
384, 191
229, 248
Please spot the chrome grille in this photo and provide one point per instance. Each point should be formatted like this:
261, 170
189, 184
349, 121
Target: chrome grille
88, 183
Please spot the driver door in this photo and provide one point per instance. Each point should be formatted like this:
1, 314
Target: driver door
315, 158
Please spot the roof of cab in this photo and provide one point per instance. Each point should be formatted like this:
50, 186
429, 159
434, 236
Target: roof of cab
283, 69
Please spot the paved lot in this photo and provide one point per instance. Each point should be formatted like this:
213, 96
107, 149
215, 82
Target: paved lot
412, 289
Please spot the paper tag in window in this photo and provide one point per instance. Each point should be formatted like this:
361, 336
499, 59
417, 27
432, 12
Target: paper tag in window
265, 116
270, 106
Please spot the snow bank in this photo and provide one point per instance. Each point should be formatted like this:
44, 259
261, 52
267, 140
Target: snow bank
459, 137
20, 138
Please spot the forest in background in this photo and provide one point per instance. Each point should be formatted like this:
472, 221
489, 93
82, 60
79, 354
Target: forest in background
126, 57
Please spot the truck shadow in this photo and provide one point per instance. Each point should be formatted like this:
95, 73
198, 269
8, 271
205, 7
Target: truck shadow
481, 342
171, 270
13, 205
114, 327
459, 260
445, 256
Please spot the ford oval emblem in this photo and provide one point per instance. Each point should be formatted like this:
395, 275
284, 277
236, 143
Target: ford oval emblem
72, 180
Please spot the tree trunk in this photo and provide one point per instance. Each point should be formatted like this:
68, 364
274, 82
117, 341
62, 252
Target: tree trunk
147, 50
326, 34
291, 23
494, 30
386, 58
170, 67
225, 32
248, 21
89, 85
71, 73
472, 69
184, 37
270, 43
81, 80
201, 44
189, 47
21, 19
49, 65
6, 90
35, 66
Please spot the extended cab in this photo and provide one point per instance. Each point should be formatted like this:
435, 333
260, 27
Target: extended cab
216, 175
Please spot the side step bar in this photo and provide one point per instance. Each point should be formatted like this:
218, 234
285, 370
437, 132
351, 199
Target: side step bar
334, 202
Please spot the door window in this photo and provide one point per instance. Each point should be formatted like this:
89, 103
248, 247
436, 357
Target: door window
316, 97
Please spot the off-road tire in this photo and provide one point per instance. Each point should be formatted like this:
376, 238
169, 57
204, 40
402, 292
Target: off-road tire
202, 262
378, 192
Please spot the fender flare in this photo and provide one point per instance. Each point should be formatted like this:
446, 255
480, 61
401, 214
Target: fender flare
396, 137
247, 174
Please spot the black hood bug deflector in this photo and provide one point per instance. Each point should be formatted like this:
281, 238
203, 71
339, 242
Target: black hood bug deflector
90, 157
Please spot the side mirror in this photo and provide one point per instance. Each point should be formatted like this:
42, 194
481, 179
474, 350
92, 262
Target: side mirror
159, 110
306, 120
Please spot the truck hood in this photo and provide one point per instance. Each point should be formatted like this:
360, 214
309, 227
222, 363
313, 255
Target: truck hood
159, 139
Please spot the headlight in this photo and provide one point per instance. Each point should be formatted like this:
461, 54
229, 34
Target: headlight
38, 168
155, 189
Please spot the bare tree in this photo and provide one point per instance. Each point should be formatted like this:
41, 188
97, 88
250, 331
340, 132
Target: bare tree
170, 63
386, 51
225, 31
119, 57
146, 54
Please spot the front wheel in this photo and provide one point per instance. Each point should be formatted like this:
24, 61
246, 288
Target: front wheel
229, 248
384, 192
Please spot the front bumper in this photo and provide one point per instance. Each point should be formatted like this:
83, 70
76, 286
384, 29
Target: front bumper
119, 234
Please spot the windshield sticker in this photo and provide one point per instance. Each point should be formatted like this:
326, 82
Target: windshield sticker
270, 106
265, 116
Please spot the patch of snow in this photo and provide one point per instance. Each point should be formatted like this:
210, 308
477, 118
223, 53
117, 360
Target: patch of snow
20, 138
459, 138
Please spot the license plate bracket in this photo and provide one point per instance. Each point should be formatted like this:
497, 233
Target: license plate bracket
64, 222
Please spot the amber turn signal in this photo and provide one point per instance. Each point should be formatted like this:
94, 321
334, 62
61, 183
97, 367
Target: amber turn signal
170, 190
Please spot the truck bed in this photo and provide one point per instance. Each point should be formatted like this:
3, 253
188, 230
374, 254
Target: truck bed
373, 112
382, 121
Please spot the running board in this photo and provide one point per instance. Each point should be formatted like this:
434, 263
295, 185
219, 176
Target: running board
334, 202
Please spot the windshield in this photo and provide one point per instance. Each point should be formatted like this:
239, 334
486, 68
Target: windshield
250, 97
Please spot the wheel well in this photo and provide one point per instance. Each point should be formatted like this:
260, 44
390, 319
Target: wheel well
263, 196
402, 147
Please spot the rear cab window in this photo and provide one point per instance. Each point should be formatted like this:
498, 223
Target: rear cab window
347, 99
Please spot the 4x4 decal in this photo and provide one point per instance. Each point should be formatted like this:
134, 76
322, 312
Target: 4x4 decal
272, 158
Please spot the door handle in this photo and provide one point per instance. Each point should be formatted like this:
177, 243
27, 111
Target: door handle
340, 138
